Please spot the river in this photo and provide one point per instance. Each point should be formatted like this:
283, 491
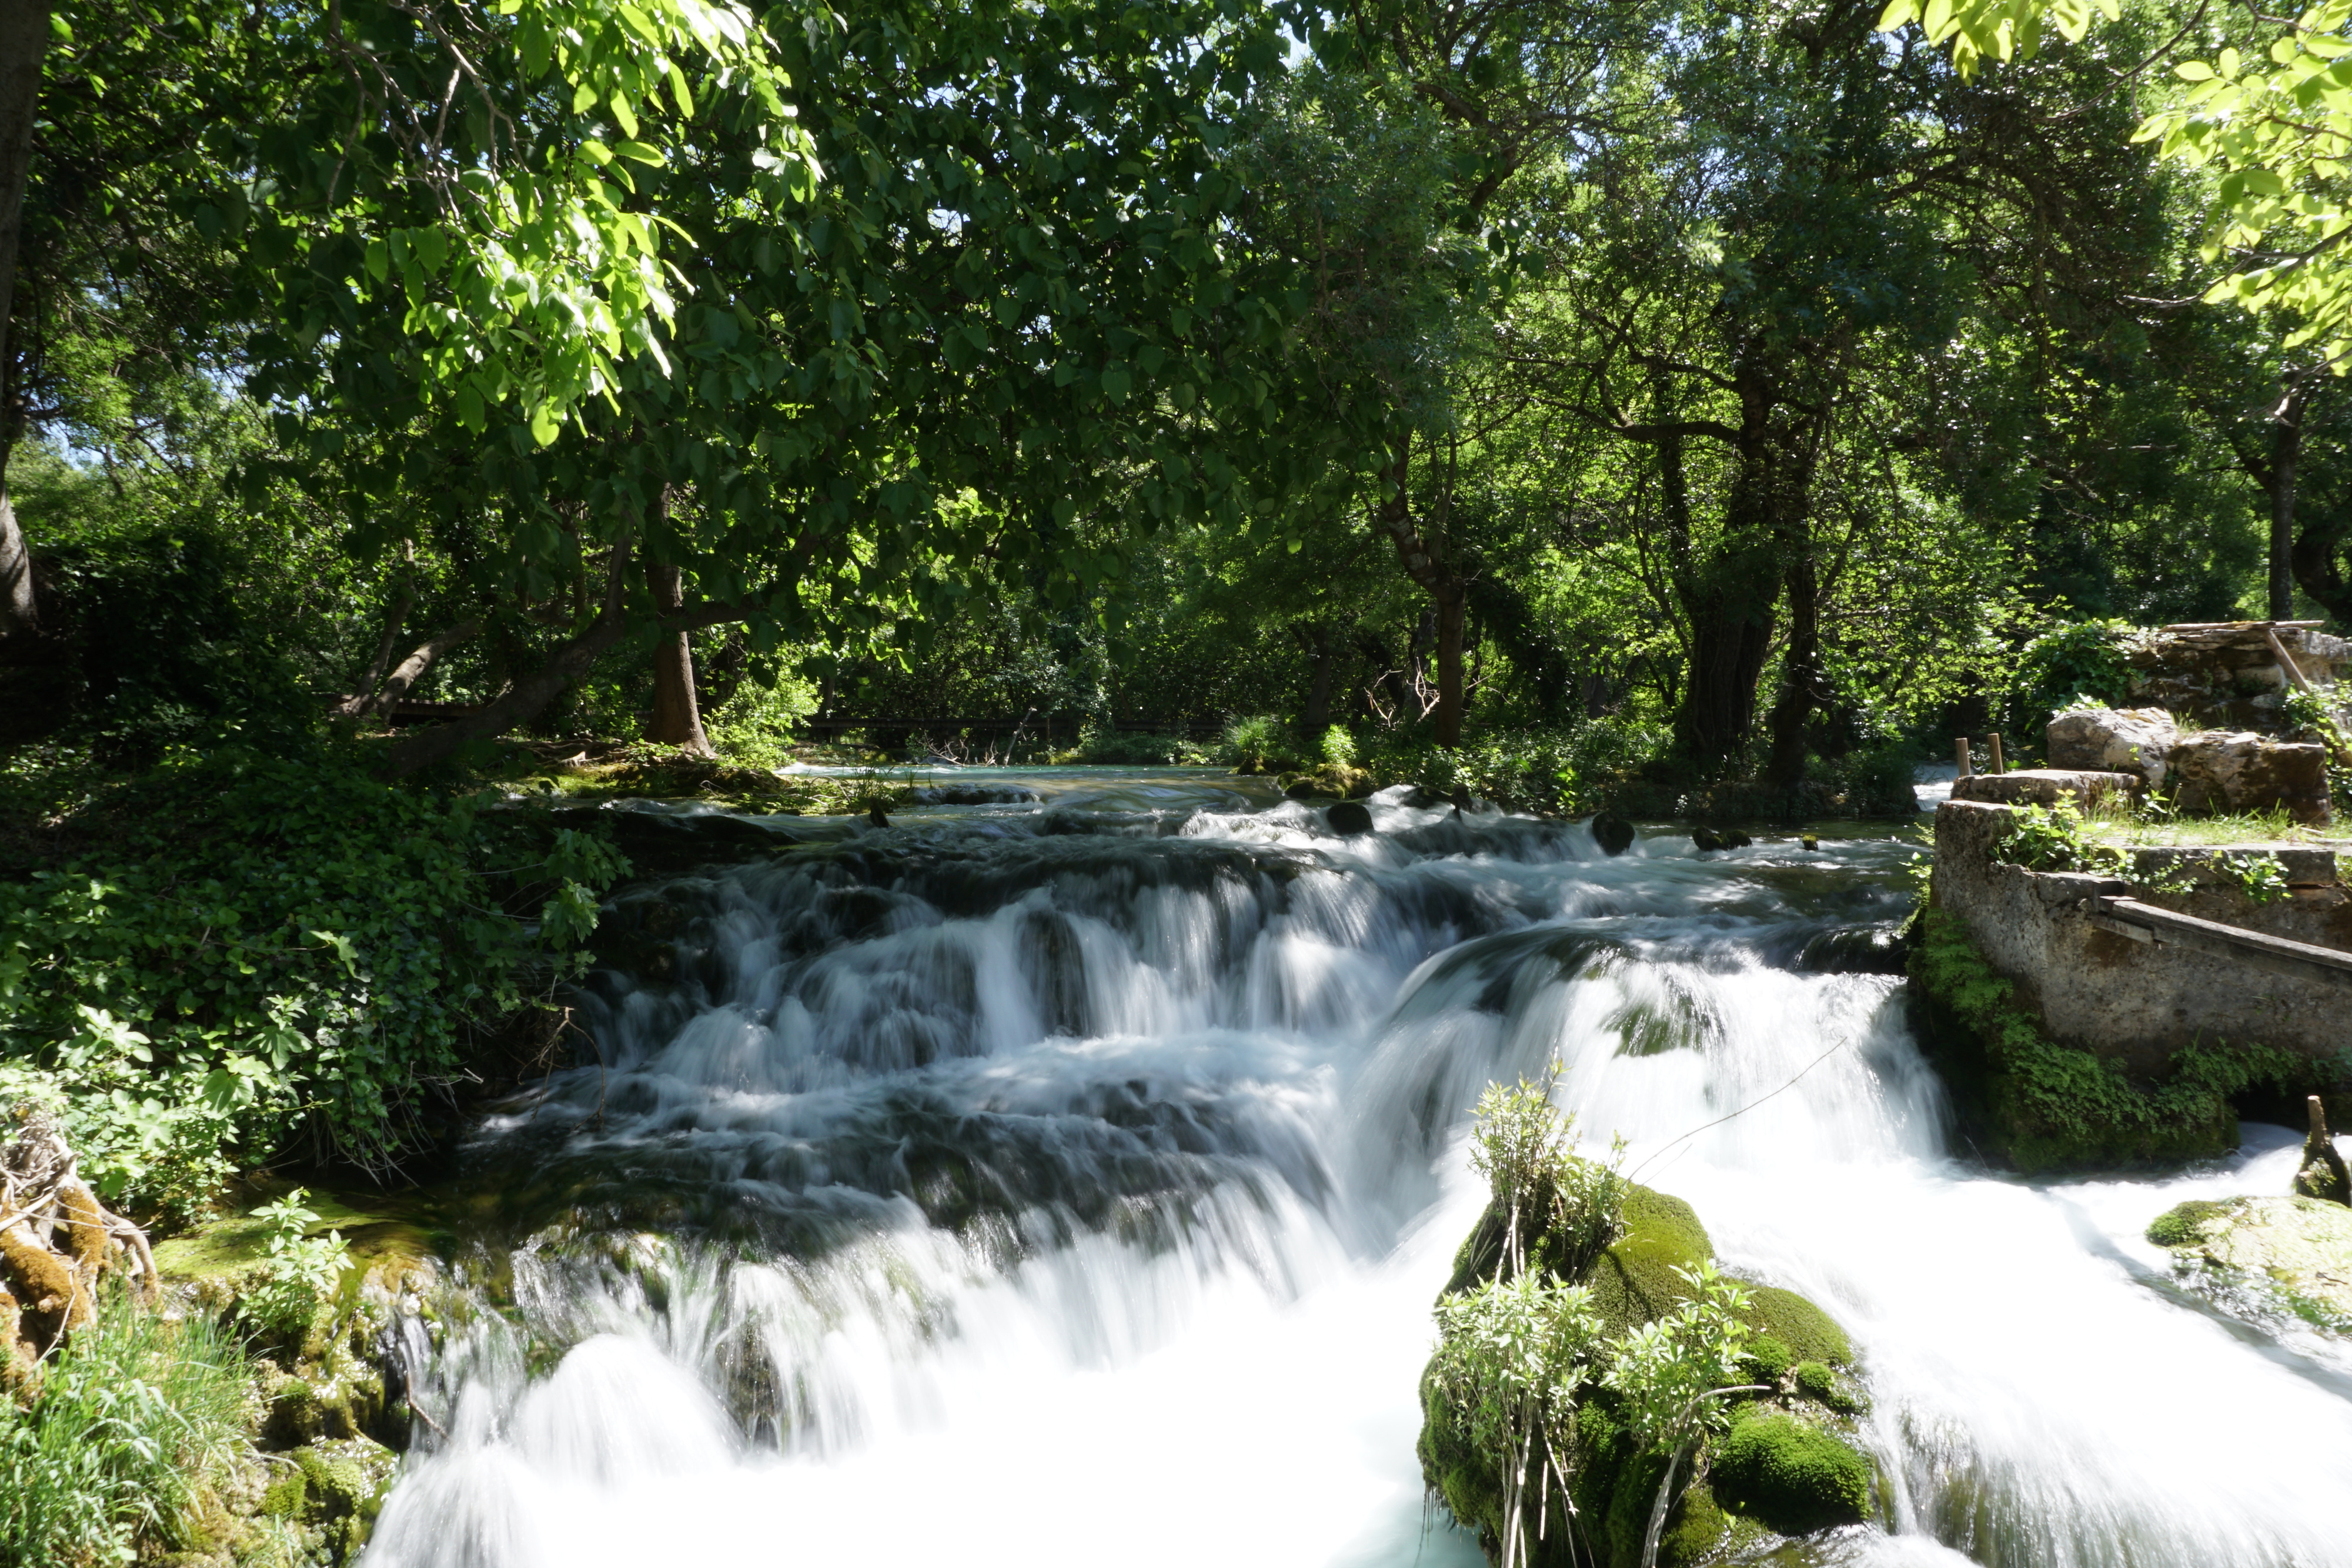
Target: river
1067, 1181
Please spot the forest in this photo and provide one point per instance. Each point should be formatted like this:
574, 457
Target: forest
418, 418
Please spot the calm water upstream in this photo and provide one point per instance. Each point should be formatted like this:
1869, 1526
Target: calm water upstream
1067, 1183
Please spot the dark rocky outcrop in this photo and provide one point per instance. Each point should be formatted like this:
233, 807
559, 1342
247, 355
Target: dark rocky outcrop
1613, 832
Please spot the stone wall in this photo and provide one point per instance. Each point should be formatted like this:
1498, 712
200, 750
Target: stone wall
2227, 677
2139, 1002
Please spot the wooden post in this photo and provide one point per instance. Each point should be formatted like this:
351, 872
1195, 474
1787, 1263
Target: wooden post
1960, 755
1999, 766
2285, 663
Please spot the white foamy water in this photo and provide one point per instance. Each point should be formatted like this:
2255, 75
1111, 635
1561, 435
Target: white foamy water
1048, 1185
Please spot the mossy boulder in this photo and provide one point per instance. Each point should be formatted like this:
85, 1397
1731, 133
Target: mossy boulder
332, 1493
1637, 1278
2277, 1258
1786, 1478
1789, 1475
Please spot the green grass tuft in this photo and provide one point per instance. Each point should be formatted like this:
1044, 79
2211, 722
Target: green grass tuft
123, 1435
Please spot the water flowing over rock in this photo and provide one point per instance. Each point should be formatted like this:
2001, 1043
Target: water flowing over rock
1002, 1184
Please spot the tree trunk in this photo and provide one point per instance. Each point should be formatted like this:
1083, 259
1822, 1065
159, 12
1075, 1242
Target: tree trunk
19, 613
1801, 673
24, 45
676, 721
1451, 609
1424, 556
2286, 448
410, 671
1319, 682
520, 702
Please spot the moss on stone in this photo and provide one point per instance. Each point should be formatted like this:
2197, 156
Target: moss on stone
2180, 1224
1810, 1333
1789, 1476
2040, 1104
1636, 1280
1768, 1359
1613, 1480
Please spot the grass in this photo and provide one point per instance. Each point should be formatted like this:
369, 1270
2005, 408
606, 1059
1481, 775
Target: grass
2110, 822
122, 1440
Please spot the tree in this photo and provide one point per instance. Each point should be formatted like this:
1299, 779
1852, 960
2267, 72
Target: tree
24, 46
1016, 286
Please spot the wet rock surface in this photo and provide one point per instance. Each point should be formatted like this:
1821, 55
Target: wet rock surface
2267, 1258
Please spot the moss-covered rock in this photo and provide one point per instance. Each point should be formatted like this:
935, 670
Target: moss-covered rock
330, 1495
1788, 1474
2267, 1258
1790, 1483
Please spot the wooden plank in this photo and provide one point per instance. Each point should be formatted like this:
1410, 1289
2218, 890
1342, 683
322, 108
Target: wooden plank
2255, 949
2286, 663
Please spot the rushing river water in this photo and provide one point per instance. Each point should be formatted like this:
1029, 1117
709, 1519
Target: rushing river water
1068, 1183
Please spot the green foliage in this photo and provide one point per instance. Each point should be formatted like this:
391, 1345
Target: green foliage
300, 1273
2066, 665
251, 944
755, 727
1569, 1208
1337, 747
2052, 838
2055, 1107
1111, 747
121, 1439
1512, 1355
1259, 744
1671, 1374
1519, 771
2259, 877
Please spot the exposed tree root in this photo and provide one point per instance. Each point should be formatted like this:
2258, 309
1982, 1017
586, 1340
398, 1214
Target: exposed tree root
56, 1241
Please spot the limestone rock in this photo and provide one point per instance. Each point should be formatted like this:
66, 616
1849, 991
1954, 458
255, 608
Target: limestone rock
2266, 1256
2113, 740
2238, 770
1349, 819
2043, 787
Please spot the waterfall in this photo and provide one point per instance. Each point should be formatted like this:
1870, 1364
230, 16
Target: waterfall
1060, 1181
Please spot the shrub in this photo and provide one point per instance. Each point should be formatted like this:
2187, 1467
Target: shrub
1258, 744
127, 1428
2066, 663
754, 727
250, 944
300, 1272
1115, 749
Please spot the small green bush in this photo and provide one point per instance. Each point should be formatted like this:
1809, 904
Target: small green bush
126, 1429
300, 1273
755, 727
1259, 744
2069, 661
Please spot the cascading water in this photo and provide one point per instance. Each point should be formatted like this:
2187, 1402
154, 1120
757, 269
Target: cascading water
1062, 1183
